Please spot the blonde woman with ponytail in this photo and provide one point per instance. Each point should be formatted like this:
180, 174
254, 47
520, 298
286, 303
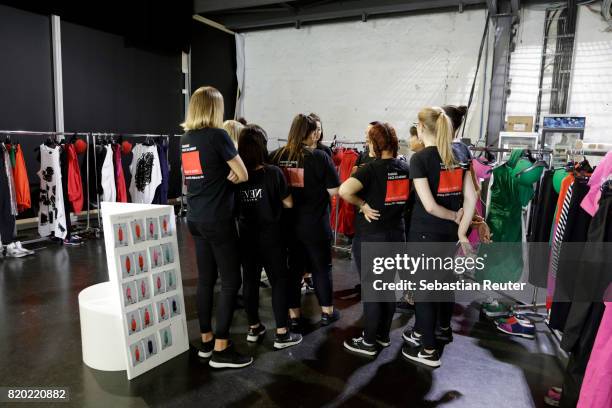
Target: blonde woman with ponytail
442, 213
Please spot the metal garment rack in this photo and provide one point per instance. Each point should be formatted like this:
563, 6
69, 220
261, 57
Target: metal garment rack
341, 143
32, 133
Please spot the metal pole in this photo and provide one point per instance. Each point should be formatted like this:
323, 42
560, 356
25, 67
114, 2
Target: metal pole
87, 172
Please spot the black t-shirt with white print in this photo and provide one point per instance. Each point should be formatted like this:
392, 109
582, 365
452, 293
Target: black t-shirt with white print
308, 183
446, 186
259, 200
205, 153
386, 188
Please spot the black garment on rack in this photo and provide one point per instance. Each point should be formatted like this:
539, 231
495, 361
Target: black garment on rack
542, 216
584, 317
576, 232
64, 171
7, 219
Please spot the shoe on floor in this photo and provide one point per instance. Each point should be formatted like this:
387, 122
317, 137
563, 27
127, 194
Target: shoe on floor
13, 252
419, 355
287, 340
513, 327
412, 338
205, 349
229, 358
383, 341
357, 345
72, 241
22, 249
445, 335
327, 319
256, 333
495, 309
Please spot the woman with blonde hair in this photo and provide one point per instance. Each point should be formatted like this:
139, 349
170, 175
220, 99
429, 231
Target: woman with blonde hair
233, 129
312, 179
443, 210
211, 165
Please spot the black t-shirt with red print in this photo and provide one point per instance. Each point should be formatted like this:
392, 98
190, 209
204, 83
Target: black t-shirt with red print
386, 188
205, 153
308, 183
446, 186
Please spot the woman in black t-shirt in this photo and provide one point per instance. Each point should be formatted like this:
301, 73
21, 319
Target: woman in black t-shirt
318, 136
211, 166
259, 203
312, 180
380, 190
444, 192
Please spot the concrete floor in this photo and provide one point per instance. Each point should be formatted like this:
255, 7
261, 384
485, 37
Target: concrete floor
40, 345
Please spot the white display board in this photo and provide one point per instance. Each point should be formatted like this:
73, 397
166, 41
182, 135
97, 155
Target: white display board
145, 271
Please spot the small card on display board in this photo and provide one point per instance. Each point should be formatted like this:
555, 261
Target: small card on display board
144, 269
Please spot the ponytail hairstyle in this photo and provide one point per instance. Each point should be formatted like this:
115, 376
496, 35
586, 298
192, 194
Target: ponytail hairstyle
301, 128
439, 125
456, 114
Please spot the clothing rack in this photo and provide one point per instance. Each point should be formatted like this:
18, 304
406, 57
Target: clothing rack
34, 133
132, 135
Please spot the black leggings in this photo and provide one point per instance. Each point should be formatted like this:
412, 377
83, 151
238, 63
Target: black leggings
256, 251
378, 316
428, 315
216, 247
318, 255
7, 219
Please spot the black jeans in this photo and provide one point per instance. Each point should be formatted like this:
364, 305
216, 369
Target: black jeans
378, 316
216, 247
318, 255
430, 314
264, 249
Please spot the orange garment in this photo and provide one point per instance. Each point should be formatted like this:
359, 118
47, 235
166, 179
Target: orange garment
565, 184
22, 184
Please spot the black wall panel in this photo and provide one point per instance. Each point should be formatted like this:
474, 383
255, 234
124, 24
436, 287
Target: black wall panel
111, 87
26, 76
213, 62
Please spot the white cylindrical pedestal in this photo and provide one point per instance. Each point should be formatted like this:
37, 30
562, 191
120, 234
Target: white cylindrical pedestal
101, 331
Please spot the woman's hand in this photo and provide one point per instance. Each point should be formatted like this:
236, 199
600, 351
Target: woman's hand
233, 177
484, 233
458, 216
369, 213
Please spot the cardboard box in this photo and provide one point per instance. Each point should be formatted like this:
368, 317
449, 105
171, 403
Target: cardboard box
519, 124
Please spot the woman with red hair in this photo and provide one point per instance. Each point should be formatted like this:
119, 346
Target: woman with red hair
380, 190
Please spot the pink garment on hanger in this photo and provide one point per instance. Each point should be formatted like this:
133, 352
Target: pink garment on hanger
596, 391
590, 203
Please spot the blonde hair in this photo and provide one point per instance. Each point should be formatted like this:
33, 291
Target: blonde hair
205, 109
233, 128
439, 124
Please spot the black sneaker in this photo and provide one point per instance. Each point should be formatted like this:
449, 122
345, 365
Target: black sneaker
410, 337
327, 319
445, 335
229, 358
419, 355
357, 345
206, 348
287, 340
256, 333
383, 341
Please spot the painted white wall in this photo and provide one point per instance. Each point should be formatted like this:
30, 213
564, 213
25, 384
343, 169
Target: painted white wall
591, 90
525, 63
351, 73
